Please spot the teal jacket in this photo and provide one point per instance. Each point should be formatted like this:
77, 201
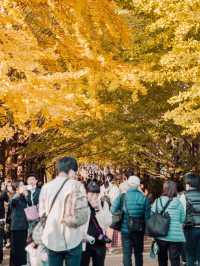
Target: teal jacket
177, 215
137, 204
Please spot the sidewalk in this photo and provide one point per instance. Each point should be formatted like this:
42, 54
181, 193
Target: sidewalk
116, 260
111, 260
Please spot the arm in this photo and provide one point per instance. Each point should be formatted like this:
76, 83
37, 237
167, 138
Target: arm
28, 198
15, 200
116, 206
42, 202
115, 192
153, 207
183, 201
4, 196
182, 214
147, 209
36, 196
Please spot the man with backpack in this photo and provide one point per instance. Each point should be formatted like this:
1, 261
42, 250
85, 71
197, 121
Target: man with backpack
64, 203
136, 210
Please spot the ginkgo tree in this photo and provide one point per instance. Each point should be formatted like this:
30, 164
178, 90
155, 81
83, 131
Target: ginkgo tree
100, 82
166, 48
56, 58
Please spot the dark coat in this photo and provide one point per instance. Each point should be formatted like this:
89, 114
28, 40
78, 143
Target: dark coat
138, 207
192, 208
34, 199
18, 218
3, 198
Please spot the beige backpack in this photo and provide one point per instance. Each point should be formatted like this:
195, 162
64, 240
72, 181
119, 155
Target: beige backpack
75, 211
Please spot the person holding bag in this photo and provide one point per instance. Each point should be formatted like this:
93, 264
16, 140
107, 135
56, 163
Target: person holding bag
171, 237
136, 210
32, 198
61, 206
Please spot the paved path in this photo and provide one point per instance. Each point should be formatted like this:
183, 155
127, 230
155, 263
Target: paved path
113, 260
116, 260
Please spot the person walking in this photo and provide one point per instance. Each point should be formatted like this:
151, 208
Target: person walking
19, 227
100, 219
192, 222
171, 245
63, 242
136, 209
11, 190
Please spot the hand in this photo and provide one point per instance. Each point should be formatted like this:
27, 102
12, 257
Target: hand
25, 193
90, 239
21, 190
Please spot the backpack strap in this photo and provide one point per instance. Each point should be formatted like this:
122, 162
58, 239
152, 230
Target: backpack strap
166, 205
55, 197
96, 224
156, 210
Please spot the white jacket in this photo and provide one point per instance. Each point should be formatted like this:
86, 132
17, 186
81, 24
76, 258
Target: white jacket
104, 218
55, 237
112, 191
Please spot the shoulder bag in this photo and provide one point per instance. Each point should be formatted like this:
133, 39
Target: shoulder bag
158, 224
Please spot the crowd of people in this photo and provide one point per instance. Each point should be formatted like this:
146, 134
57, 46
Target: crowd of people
73, 219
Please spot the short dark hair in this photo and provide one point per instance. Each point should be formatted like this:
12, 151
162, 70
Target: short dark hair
170, 189
66, 164
93, 187
110, 177
192, 179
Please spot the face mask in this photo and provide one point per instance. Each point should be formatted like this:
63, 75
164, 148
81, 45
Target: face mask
9, 188
93, 199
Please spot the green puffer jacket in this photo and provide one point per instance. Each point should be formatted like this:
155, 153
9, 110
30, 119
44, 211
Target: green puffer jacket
138, 207
177, 215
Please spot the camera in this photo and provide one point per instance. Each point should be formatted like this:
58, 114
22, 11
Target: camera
104, 239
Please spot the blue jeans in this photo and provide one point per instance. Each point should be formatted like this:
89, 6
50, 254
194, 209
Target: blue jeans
193, 246
71, 257
133, 243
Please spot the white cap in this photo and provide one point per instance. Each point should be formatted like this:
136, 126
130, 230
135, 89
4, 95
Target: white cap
133, 181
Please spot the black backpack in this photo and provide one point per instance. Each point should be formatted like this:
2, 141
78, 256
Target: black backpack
192, 211
158, 224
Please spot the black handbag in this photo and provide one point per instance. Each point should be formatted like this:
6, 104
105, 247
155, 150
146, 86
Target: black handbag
117, 217
158, 224
135, 225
